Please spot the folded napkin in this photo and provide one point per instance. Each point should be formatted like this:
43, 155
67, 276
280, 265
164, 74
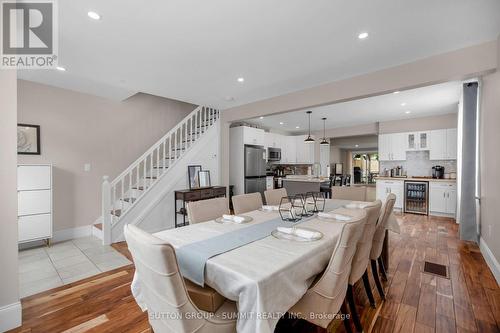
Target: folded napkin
302, 233
334, 216
233, 218
270, 208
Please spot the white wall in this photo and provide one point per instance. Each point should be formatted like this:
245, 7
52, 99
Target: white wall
78, 128
490, 162
10, 308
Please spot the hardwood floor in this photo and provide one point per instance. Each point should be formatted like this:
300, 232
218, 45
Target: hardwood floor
469, 301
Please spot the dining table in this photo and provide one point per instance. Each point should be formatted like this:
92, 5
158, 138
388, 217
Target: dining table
265, 277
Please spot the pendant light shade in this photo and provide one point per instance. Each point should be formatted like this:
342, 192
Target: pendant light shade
309, 139
324, 142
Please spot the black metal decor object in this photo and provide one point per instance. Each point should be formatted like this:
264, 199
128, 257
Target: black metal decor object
319, 201
309, 204
291, 208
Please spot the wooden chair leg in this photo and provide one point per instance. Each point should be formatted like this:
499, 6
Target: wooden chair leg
368, 289
354, 312
347, 321
382, 268
377, 280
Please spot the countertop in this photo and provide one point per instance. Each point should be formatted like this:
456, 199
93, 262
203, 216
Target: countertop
296, 178
417, 179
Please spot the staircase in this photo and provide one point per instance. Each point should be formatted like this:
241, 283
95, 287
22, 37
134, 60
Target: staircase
124, 200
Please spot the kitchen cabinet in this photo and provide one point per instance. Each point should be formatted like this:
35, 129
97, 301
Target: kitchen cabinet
384, 187
392, 147
305, 151
443, 144
288, 149
253, 136
417, 141
443, 198
272, 140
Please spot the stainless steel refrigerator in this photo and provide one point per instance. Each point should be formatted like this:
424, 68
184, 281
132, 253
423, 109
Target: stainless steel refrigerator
255, 169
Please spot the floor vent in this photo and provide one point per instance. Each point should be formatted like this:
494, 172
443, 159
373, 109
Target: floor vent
436, 269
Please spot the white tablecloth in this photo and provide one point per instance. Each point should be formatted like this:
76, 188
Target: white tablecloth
265, 277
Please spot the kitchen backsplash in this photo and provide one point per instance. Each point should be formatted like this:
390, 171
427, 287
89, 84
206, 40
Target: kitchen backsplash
418, 164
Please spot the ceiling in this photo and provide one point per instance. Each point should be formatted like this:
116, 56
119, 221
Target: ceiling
194, 51
426, 101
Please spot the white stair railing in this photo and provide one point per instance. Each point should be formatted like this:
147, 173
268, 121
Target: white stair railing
121, 194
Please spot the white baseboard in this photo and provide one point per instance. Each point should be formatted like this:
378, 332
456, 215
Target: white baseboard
72, 233
10, 316
490, 259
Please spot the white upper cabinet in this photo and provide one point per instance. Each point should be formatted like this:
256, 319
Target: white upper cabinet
443, 144
392, 147
288, 149
417, 141
305, 151
272, 140
253, 136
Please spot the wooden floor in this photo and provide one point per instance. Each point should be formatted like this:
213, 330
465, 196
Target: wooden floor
469, 301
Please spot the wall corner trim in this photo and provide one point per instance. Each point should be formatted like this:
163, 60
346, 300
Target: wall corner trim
10, 316
492, 262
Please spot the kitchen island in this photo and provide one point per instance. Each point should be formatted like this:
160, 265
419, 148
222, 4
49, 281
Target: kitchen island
303, 184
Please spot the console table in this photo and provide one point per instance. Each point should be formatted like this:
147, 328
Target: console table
195, 195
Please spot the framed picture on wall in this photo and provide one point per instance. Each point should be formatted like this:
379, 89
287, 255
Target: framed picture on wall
193, 171
28, 139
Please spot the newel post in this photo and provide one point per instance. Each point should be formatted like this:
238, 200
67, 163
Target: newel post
106, 210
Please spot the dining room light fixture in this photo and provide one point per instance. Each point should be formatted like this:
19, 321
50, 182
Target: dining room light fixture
408, 112
241, 79
94, 15
309, 139
324, 142
363, 35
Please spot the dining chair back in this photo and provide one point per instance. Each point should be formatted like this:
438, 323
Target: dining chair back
327, 293
378, 237
273, 197
355, 193
246, 202
206, 210
162, 288
362, 256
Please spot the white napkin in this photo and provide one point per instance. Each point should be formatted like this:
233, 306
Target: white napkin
303, 233
233, 218
333, 216
356, 205
270, 208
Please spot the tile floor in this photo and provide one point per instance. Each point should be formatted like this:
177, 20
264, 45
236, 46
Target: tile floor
44, 268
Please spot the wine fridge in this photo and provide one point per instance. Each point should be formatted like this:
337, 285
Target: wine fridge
417, 197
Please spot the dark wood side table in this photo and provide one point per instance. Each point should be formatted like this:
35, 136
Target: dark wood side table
194, 195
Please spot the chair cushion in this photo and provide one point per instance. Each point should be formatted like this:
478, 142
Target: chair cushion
205, 298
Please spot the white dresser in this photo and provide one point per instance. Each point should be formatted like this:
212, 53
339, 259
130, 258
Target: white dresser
34, 202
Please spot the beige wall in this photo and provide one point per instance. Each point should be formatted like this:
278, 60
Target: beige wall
78, 128
456, 65
420, 124
490, 160
8, 200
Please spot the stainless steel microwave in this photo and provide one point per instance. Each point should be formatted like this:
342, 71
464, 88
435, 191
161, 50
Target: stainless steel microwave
273, 154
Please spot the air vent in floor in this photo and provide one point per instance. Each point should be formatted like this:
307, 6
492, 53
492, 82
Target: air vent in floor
436, 269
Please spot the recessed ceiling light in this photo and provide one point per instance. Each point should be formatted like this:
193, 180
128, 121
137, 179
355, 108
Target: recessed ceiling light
403, 104
408, 112
241, 79
229, 98
396, 92
363, 35
60, 68
297, 127
261, 117
356, 146
94, 15
281, 123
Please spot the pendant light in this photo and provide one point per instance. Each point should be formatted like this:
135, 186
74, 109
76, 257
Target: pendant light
324, 142
309, 139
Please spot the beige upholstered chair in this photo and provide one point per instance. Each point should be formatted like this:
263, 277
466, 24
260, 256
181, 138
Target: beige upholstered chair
356, 193
378, 242
273, 197
206, 210
247, 202
361, 260
327, 293
164, 291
